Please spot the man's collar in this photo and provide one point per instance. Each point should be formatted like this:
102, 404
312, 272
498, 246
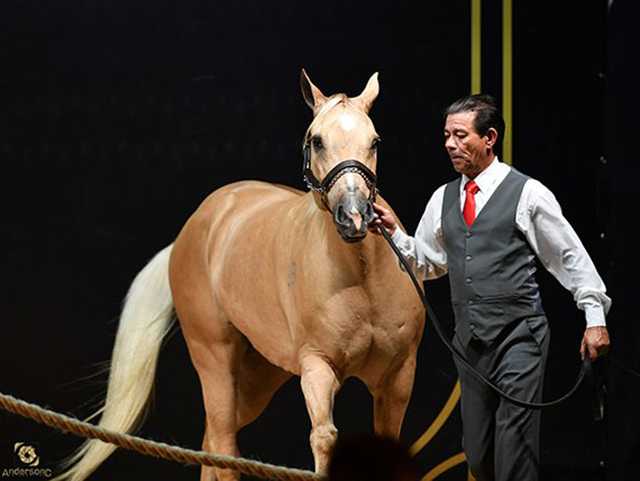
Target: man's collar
485, 178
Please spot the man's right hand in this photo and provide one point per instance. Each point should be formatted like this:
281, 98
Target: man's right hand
382, 218
596, 341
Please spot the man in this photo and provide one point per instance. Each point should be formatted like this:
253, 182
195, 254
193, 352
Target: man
486, 229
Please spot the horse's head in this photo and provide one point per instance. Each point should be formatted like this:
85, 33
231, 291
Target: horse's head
340, 156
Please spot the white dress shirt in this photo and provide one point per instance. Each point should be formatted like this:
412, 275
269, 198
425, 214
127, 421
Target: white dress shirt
539, 217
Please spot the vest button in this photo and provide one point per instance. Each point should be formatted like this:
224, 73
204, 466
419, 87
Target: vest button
469, 234
469, 280
468, 258
471, 303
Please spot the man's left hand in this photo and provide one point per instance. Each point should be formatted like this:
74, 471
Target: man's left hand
596, 339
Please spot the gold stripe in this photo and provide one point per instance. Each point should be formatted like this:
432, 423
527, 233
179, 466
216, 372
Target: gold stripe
507, 79
445, 466
438, 422
476, 46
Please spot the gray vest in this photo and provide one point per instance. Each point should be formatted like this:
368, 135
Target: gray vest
491, 265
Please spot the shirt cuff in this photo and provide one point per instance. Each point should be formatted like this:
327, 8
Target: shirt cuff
595, 317
398, 235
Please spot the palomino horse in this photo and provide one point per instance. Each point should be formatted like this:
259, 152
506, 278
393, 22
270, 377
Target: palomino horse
268, 282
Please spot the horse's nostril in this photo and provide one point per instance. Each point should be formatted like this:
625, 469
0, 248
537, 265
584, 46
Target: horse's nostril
368, 213
342, 217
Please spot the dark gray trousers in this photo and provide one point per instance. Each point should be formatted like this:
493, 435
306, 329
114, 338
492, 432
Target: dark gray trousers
502, 441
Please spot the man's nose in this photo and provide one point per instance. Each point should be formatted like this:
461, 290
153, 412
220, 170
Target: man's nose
450, 143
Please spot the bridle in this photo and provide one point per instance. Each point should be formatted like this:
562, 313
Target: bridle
349, 166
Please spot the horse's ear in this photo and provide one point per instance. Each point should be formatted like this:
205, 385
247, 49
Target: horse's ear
365, 100
312, 95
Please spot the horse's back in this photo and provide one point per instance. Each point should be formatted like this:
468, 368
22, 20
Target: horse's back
238, 208
249, 195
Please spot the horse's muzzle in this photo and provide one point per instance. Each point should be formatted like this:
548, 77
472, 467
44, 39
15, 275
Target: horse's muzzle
352, 215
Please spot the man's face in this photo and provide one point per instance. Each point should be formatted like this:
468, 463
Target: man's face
470, 153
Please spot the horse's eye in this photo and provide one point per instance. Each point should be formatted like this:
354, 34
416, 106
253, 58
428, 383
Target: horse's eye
317, 143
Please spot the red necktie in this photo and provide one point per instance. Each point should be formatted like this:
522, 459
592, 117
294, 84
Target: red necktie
469, 211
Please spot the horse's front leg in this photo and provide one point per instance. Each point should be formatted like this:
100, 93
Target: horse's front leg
391, 399
319, 386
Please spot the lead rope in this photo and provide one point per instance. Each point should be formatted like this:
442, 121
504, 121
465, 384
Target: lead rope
585, 371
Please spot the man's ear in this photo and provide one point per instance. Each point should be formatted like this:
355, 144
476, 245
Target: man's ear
365, 100
312, 94
491, 138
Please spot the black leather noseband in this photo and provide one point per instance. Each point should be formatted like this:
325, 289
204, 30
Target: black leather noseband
349, 166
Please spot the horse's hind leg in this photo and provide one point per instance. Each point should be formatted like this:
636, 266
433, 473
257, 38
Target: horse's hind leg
237, 384
217, 365
258, 380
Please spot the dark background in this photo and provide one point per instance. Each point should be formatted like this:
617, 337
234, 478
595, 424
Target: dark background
118, 117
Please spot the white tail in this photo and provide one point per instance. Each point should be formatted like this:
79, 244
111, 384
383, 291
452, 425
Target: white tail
146, 318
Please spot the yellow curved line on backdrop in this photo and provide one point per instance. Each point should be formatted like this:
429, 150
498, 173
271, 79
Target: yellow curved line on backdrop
445, 466
438, 422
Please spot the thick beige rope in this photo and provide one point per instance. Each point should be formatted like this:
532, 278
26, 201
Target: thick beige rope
152, 448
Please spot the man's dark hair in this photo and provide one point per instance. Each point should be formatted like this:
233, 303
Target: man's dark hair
486, 112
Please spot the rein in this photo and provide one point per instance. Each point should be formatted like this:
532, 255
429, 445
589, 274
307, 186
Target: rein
585, 371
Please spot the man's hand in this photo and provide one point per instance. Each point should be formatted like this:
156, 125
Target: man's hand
382, 218
596, 339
